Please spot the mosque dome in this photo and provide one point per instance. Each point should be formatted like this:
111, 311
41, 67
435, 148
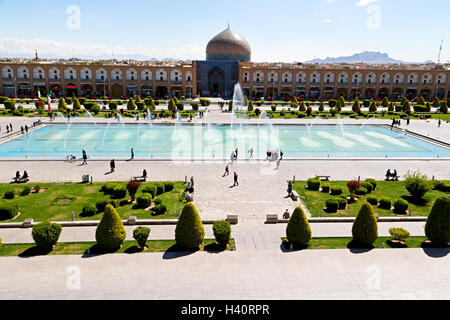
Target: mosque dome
228, 46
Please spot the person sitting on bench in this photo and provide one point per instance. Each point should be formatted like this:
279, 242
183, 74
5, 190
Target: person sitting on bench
144, 174
395, 175
388, 175
17, 175
25, 175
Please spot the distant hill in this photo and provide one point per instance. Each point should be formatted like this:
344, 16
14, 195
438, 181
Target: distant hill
370, 57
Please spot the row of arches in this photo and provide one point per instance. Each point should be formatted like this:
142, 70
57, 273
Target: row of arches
87, 74
344, 78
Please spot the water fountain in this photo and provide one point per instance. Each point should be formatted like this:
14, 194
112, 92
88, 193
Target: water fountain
178, 122
104, 135
238, 102
120, 119
62, 116
208, 118
91, 116
149, 116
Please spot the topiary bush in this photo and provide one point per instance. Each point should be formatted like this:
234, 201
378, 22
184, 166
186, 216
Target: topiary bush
9, 194
326, 188
361, 191
37, 188
133, 187
222, 232
89, 210
399, 234
332, 205
110, 232
298, 230
385, 203
109, 188
342, 203
365, 228
25, 191
373, 182
400, 206
150, 188
168, 186
189, 232
159, 188
313, 184
443, 186
141, 234
119, 192
417, 184
100, 205
144, 200
336, 191
372, 200
46, 235
159, 209
437, 228
8, 210
368, 186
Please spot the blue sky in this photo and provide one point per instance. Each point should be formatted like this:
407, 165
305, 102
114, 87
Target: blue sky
283, 30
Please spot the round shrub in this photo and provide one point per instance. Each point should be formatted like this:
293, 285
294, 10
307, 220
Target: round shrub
400, 206
9, 194
109, 188
437, 228
372, 200
8, 210
342, 203
159, 209
144, 200
361, 191
399, 234
25, 191
365, 228
110, 232
119, 192
46, 234
100, 205
222, 232
368, 186
141, 234
159, 188
336, 191
298, 231
168, 186
313, 184
158, 201
417, 184
385, 203
326, 188
189, 232
443, 186
332, 205
37, 188
89, 210
151, 189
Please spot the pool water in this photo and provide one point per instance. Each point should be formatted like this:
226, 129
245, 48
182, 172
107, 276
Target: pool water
207, 142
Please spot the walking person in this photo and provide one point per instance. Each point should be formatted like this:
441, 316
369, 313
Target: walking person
281, 155
227, 171
192, 182
84, 157
236, 153
278, 164
112, 164
132, 153
439, 123
251, 153
236, 183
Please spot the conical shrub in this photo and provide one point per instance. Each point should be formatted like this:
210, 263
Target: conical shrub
365, 228
110, 233
298, 230
437, 228
189, 232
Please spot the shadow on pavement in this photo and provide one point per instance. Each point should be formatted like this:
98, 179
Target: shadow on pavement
175, 252
435, 251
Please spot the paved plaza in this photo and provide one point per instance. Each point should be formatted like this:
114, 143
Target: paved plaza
259, 269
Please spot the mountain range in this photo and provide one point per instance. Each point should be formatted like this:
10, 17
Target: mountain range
370, 57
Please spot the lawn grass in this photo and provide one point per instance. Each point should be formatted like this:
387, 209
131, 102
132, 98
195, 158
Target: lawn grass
346, 243
80, 248
58, 201
315, 200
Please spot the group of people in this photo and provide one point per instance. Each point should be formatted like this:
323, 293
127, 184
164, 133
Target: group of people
391, 176
24, 129
235, 176
18, 177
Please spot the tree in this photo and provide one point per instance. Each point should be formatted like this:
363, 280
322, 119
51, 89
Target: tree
321, 106
385, 102
46, 234
407, 106
443, 108
421, 101
131, 105
373, 107
62, 105
132, 187
417, 184
437, 228
365, 228
245, 101
302, 106
342, 103
294, 103
110, 232
189, 232
353, 186
436, 102
298, 231
356, 106
76, 104
250, 106
140, 234
172, 105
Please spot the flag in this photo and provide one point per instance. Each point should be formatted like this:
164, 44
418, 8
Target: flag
39, 96
48, 100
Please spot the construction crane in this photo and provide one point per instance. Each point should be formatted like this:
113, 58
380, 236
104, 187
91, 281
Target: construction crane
440, 51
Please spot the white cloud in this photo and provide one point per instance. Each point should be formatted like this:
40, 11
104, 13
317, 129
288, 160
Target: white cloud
363, 3
328, 20
57, 49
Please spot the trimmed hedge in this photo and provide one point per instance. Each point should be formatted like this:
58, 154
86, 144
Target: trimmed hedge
437, 228
110, 232
9, 194
365, 228
332, 205
25, 191
326, 188
373, 182
372, 200
89, 210
336, 191
8, 210
342, 203
368, 186
313, 184
151, 189
361, 191
298, 231
119, 192
400, 206
189, 232
399, 234
222, 232
168, 186
385, 203
159, 188
46, 234
159, 209
141, 234
144, 200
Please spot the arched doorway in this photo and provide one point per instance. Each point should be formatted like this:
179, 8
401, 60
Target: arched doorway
71, 90
161, 92
216, 82
117, 90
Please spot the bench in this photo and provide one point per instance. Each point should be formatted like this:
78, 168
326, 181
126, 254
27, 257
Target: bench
85, 178
294, 195
140, 179
232, 219
20, 180
272, 218
323, 178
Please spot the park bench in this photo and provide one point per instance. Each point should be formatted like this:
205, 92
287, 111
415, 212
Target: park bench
20, 180
272, 218
323, 178
294, 195
140, 179
85, 178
